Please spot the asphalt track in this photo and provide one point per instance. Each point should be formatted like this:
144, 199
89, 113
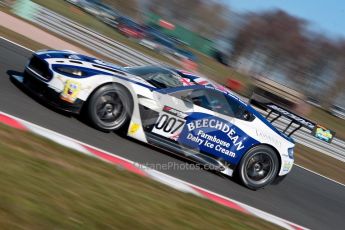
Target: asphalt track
303, 197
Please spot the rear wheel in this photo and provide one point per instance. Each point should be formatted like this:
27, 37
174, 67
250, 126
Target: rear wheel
258, 167
110, 108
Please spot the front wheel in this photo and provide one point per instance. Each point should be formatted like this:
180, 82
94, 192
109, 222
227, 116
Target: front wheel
110, 108
258, 167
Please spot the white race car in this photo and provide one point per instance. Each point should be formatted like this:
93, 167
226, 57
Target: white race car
169, 108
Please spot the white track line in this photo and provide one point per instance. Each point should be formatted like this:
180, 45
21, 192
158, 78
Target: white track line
318, 174
17, 44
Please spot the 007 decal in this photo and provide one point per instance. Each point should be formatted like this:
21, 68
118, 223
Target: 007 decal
170, 123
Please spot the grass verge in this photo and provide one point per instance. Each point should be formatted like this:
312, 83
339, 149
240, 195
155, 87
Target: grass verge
320, 163
46, 186
20, 39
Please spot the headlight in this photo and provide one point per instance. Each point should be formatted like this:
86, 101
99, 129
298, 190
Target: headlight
69, 71
291, 152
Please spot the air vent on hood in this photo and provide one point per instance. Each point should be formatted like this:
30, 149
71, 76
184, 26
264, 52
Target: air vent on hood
109, 69
76, 62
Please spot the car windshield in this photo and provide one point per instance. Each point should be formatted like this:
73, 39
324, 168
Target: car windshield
157, 76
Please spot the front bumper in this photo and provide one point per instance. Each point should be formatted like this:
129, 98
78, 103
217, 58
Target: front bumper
41, 90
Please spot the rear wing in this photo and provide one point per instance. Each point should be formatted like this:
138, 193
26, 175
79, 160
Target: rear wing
276, 112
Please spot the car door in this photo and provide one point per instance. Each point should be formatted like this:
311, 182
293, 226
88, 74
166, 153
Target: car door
211, 127
178, 106
172, 114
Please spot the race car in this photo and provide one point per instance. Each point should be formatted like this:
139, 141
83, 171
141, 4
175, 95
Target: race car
178, 111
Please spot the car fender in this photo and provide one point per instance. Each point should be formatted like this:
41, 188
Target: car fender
265, 135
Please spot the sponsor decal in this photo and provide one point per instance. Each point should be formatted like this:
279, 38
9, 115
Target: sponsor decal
174, 112
215, 136
211, 142
169, 124
287, 166
268, 138
219, 125
70, 91
323, 133
133, 128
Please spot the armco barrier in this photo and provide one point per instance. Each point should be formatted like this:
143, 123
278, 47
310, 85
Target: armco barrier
80, 34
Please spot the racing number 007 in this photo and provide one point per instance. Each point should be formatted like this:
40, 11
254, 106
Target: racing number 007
168, 124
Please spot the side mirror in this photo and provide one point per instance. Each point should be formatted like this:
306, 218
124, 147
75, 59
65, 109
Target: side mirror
247, 116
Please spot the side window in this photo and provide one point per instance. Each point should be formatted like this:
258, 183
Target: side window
199, 97
240, 111
220, 103
215, 101
208, 99
182, 94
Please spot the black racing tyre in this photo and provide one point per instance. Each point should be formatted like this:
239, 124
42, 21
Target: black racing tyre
110, 108
258, 167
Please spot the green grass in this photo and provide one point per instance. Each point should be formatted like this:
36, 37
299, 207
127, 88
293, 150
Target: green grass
320, 163
46, 186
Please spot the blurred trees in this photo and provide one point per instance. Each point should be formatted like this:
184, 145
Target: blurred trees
337, 85
276, 35
278, 44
